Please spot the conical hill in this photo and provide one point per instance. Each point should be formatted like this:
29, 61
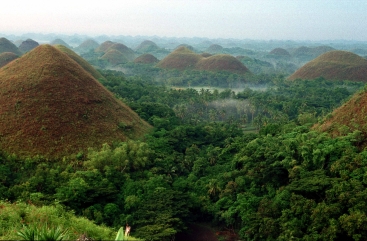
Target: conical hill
27, 45
181, 59
334, 65
222, 62
50, 106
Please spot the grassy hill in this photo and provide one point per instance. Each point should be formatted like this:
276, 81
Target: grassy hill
60, 42
182, 58
128, 53
147, 46
222, 62
86, 46
114, 57
51, 106
6, 58
82, 62
279, 52
104, 46
146, 59
349, 117
214, 49
334, 65
7, 46
27, 45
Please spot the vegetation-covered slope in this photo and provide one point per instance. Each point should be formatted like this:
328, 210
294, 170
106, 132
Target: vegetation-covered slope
222, 62
181, 59
146, 59
87, 45
6, 58
27, 45
50, 106
7, 46
334, 65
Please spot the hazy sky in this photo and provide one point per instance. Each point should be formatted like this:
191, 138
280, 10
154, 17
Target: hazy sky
251, 19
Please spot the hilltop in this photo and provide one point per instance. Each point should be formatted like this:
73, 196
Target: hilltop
104, 46
124, 50
82, 62
146, 59
334, 65
7, 46
87, 45
27, 45
6, 58
51, 106
222, 62
182, 58
114, 57
60, 42
147, 46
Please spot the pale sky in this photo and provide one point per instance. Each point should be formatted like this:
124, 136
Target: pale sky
241, 19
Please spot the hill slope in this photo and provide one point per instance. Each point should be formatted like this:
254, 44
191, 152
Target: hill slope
334, 65
82, 62
6, 58
50, 106
182, 58
27, 45
222, 62
146, 59
7, 46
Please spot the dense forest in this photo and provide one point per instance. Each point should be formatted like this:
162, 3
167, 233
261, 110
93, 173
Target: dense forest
243, 158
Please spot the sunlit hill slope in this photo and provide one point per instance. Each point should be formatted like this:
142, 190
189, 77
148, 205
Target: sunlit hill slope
51, 106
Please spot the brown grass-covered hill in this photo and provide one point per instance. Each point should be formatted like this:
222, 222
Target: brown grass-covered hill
60, 42
114, 57
146, 59
27, 45
51, 106
126, 51
87, 46
82, 62
7, 46
215, 49
147, 46
222, 62
6, 58
334, 65
182, 58
349, 117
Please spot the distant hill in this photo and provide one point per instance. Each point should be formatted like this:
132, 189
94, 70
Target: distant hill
114, 57
51, 106
6, 58
87, 46
146, 59
182, 58
215, 49
279, 52
128, 53
27, 45
82, 62
104, 46
147, 46
309, 53
222, 62
334, 65
7, 46
60, 42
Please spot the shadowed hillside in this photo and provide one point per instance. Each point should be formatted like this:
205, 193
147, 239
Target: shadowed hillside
82, 62
27, 45
51, 106
6, 58
279, 52
104, 46
114, 57
147, 46
7, 46
214, 49
146, 59
334, 65
60, 42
